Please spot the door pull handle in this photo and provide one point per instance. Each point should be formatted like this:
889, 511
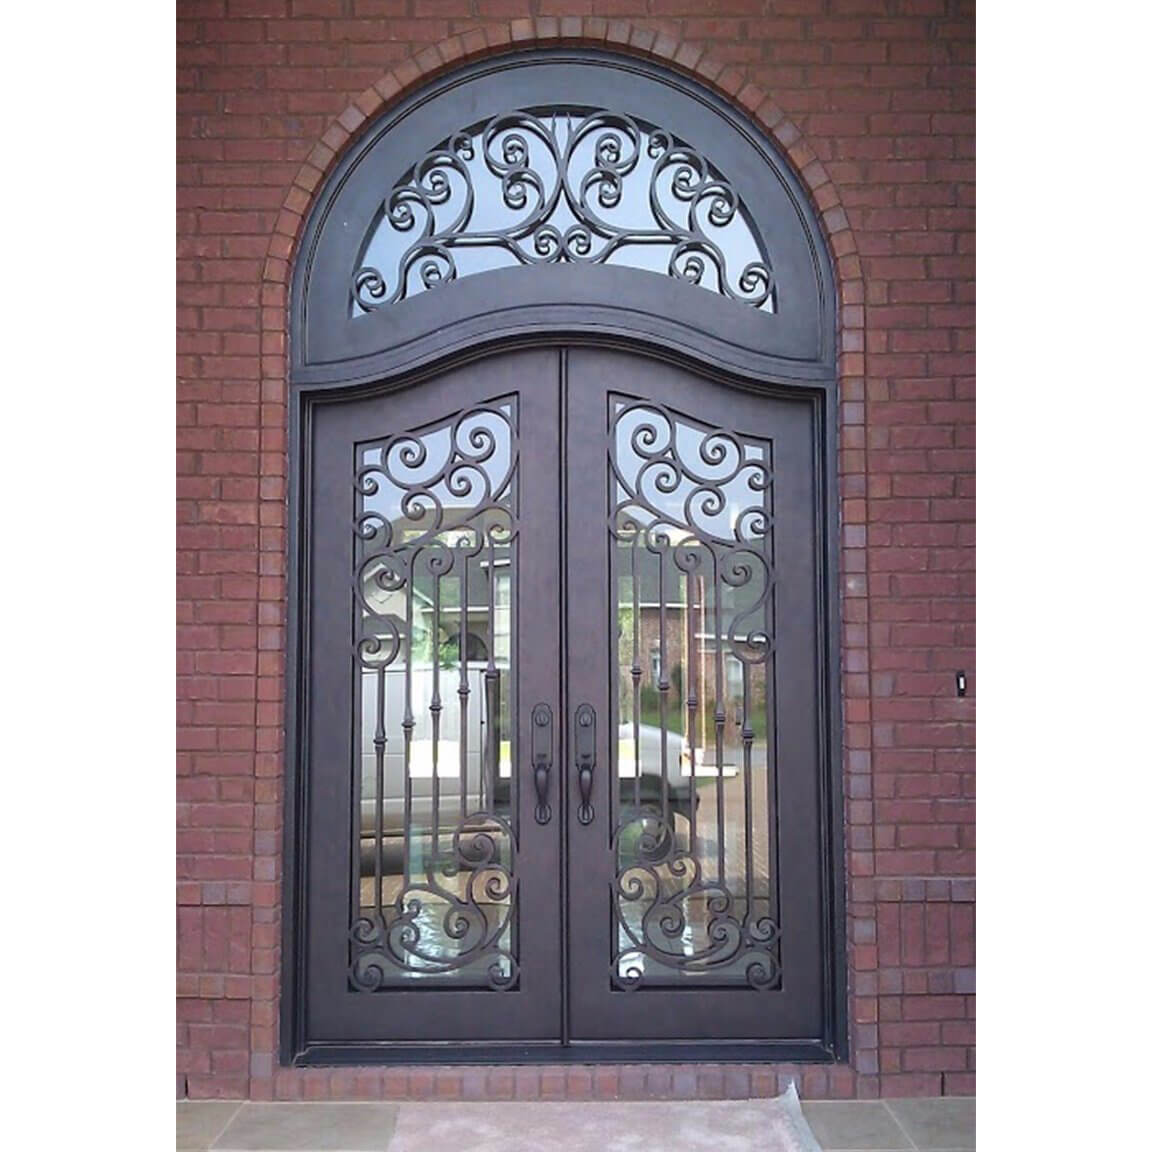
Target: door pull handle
542, 760
585, 760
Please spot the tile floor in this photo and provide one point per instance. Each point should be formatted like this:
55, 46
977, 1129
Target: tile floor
947, 1125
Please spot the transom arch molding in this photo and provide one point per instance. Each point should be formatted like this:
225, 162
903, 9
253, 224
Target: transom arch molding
562, 191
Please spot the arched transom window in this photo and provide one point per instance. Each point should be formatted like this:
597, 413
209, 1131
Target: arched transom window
564, 184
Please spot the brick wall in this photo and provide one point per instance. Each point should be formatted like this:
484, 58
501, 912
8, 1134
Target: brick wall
874, 101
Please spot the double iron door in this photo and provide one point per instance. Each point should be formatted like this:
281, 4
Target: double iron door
561, 714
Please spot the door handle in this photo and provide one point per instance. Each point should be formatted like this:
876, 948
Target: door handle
542, 760
585, 760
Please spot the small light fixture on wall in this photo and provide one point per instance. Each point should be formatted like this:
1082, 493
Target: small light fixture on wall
961, 684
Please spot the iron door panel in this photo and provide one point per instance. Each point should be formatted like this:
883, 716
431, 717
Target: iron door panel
663, 944
413, 931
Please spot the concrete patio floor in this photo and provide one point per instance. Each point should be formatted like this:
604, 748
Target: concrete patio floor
922, 1125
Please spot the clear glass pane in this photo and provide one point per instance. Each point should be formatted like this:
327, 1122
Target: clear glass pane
694, 767
562, 185
436, 558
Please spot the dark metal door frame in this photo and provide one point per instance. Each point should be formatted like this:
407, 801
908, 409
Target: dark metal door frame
604, 308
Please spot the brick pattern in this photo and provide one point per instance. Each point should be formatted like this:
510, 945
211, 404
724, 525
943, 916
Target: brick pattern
560, 1082
880, 125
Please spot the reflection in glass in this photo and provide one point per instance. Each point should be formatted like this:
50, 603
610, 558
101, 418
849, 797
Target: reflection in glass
435, 563
695, 757
562, 185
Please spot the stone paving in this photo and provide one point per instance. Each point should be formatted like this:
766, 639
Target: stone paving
922, 1125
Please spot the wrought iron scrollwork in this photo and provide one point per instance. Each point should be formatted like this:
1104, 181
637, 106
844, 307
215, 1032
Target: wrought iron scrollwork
437, 506
664, 883
436, 930
686, 478
697, 502
455, 492
562, 185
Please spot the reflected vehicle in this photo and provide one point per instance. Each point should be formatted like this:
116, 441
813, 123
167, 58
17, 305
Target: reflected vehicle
477, 767
471, 758
651, 776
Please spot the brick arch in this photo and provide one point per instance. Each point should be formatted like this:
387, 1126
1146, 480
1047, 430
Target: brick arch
730, 81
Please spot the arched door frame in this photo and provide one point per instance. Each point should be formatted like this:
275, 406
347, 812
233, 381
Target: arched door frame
806, 366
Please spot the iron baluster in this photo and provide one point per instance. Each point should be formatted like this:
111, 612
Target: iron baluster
492, 682
662, 686
719, 716
635, 674
691, 703
408, 724
380, 744
746, 736
435, 708
463, 691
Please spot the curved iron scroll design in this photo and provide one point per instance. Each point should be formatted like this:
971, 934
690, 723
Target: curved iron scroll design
674, 476
669, 889
562, 185
692, 522
411, 934
435, 520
